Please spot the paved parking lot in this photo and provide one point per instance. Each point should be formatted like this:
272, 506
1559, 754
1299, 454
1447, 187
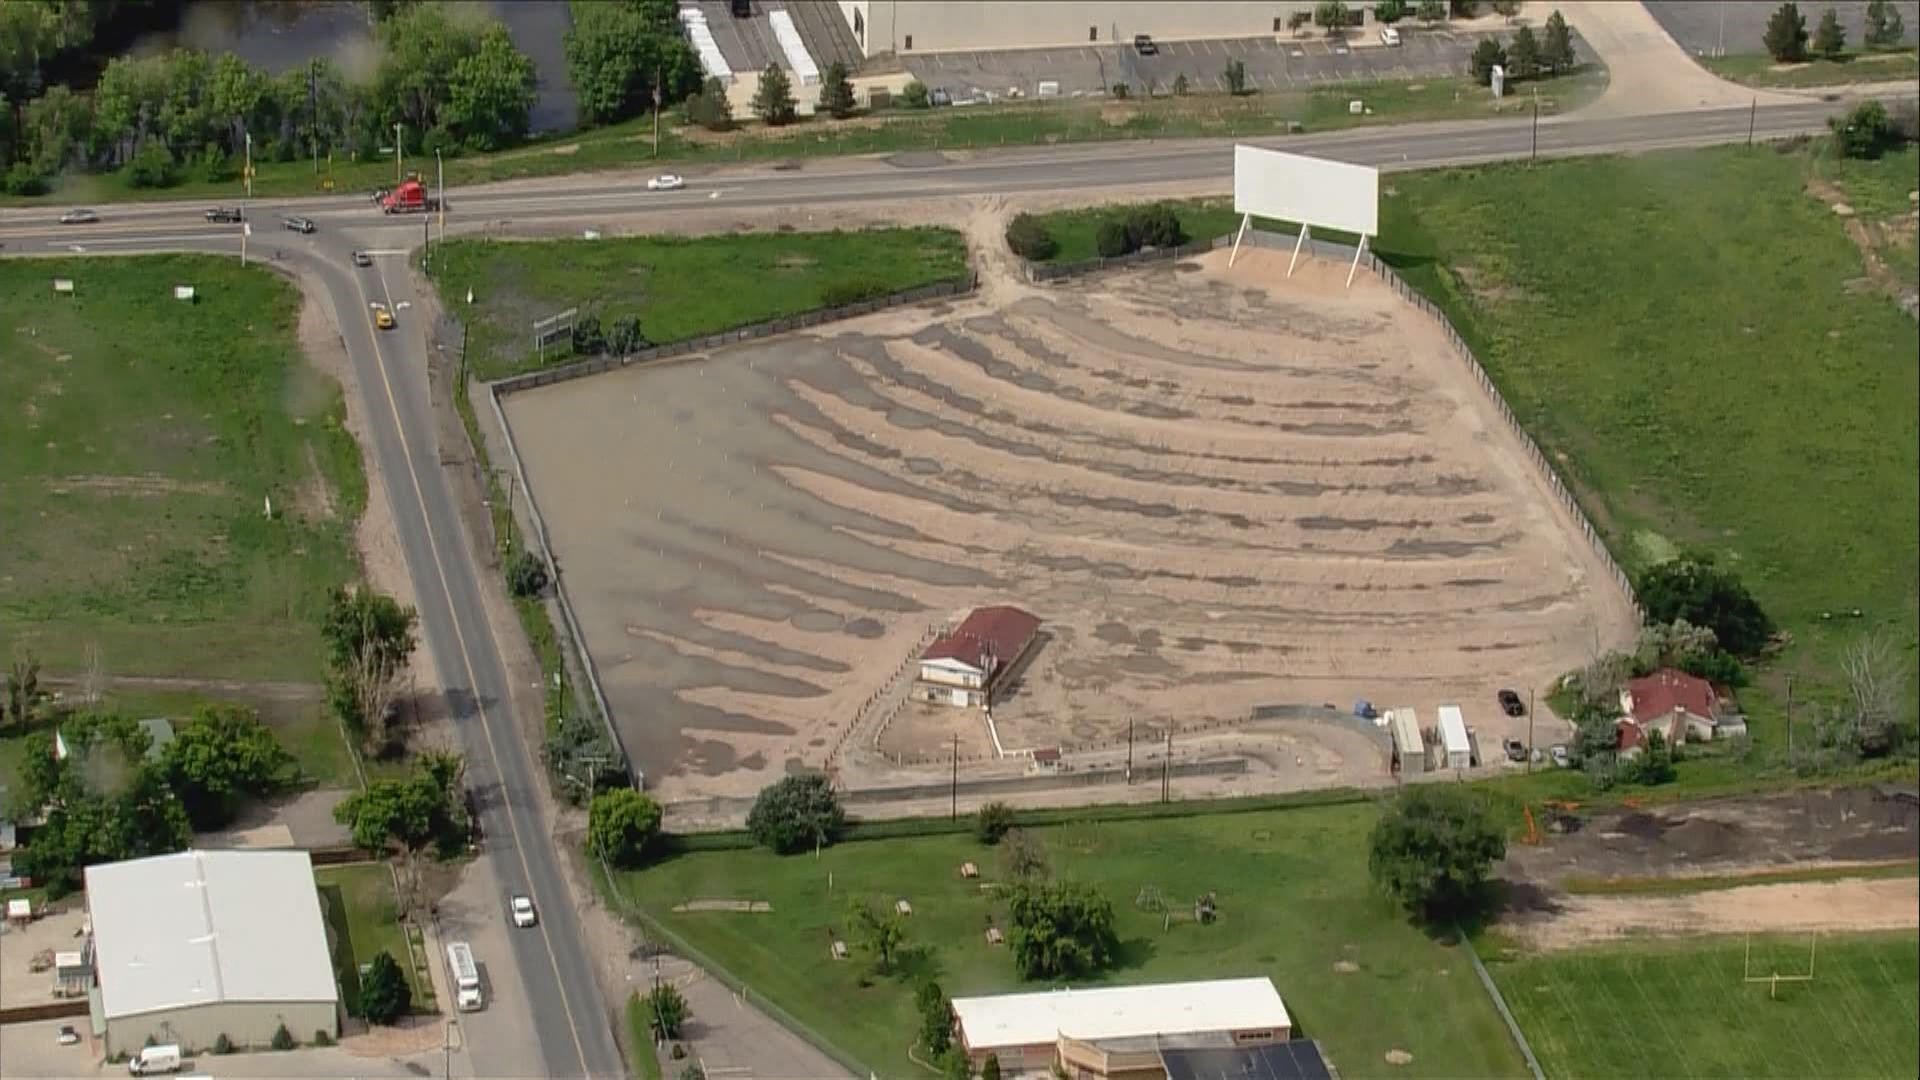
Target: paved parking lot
1272, 64
1732, 27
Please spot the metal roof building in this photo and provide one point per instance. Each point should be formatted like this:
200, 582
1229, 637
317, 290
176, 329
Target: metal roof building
1119, 1029
199, 944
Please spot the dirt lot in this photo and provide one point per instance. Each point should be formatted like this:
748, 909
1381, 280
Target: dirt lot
1218, 489
59, 932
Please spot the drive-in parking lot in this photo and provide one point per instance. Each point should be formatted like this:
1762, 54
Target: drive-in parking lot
1272, 64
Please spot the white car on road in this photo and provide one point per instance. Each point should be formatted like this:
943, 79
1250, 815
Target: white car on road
523, 911
666, 182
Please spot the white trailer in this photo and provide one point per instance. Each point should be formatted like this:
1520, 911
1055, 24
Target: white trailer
466, 976
1453, 738
1408, 746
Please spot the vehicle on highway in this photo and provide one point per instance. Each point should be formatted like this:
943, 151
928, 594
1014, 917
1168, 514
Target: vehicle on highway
1516, 750
409, 198
382, 318
1560, 756
68, 1036
225, 215
1389, 36
466, 976
1511, 704
523, 915
299, 224
1143, 44
666, 182
79, 217
361, 258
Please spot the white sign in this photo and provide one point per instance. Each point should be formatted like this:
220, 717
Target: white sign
183, 292
1307, 190
1499, 81
62, 285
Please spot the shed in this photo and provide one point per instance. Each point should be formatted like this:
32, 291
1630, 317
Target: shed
1453, 738
1408, 747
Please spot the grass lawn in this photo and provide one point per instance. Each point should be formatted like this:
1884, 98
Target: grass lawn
141, 436
1894, 65
1680, 1008
1679, 330
1294, 900
357, 902
629, 145
646, 1061
678, 288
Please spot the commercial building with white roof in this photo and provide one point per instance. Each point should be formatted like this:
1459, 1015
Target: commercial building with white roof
199, 944
1119, 1030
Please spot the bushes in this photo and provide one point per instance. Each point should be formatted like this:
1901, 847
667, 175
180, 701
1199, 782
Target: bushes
914, 95
843, 293
1112, 240
1866, 132
992, 822
1028, 238
282, 1038
796, 812
152, 167
526, 575
23, 179
222, 1044
1155, 226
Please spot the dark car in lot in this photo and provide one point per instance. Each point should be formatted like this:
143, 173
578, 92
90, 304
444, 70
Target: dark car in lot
1511, 704
225, 215
299, 224
1143, 44
361, 258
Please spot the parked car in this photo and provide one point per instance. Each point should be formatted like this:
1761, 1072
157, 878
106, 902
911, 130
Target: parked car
666, 182
79, 217
938, 96
1389, 36
1516, 750
68, 1036
523, 915
361, 258
1143, 44
1511, 704
225, 215
299, 224
1560, 756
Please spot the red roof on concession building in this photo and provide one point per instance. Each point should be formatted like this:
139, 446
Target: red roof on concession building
1660, 693
990, 636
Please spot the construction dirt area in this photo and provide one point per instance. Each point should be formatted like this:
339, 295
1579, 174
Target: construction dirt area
1225, 494
1558, 889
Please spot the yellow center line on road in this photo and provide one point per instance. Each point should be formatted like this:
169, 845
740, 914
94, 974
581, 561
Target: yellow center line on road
466, 659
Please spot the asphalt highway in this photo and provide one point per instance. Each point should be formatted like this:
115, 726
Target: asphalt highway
572, 1019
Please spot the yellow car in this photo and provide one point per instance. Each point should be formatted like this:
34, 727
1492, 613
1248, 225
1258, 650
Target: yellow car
383, 319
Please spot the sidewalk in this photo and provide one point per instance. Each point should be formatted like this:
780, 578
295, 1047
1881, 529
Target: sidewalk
728, 1037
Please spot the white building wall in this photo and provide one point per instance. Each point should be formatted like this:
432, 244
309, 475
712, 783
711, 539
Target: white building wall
196, 1028
949, 25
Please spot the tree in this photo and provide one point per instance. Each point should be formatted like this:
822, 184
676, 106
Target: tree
1595, 737
1113, 239
1557, 52
1654, 763
1786, 36
223, 755
710, 108
1298, 19
526, 574
1523, 54
1433, 849
1430, 11
1691, 587
384, 993
588, 339
1156, 225
1236, 78
152, 167
23, 688
914, 95
1884, 28
1180, 85
411, 812
84, 827
490, 93
1672, 644
616, 51
667, 1009
1388, 12
1506, 9
1463, 9
796, 812
621, 825
773, 102
1061, 930
880, 932
936, 1018
990, 1070
992, 821
1331, 16
582, 757
626, 337
282, 1039
1027, 237
836, 91
1022, 857
1486, 56
1879, 683
1829, 37
368, 636
1865, 132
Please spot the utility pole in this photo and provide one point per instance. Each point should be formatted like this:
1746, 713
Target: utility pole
247, 171
1529, 730
1166, 770
313, 111
1129, 751
953, 807
399, 153
1753, 113
440, 183
1534, 151
656, 112
1789, 721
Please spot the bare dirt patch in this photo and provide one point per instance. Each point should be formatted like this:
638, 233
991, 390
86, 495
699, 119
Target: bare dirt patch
1219, 490
144, 485
1842, 906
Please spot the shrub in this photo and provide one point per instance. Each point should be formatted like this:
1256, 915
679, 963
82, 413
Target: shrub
222, 1044
936, 1018
23, 179
214, 165
588, 340
626, 338
667, 1009
1113, 239
709, 108
796, 812
992, 822
621, 825
321, 1038
1155, 226
1028, 238
843, 293
526, 574
152, 167
384, 993
1865, 132
991, 1069
282, 1038
1122, 90
914, 95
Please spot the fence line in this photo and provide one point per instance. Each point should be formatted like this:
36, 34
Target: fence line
580, 370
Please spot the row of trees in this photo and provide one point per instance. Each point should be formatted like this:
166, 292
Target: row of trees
1786, 38
1526, 55
448, 79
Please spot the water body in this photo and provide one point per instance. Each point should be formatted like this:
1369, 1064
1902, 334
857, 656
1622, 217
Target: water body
278, 36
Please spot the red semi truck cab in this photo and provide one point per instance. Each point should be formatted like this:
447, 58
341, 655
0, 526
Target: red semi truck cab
409, 198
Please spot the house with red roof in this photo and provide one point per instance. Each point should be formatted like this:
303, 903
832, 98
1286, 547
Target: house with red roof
1677, 705
963, 667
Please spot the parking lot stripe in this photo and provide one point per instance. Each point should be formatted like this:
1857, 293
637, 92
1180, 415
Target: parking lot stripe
1273, 82
1220, 81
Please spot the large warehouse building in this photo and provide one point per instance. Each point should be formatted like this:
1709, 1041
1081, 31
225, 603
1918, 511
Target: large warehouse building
199, 944
913, 26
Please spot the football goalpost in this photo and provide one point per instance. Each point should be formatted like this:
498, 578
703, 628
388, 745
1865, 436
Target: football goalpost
1306, 191
1773, 976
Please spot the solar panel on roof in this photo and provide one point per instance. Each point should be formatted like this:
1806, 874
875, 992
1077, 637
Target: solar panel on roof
1296, 1060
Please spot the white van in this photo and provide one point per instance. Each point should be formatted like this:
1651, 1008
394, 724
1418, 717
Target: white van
155, 1059
466, 976
1389, 36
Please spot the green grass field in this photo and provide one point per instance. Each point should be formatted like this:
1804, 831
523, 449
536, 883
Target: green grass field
142, 436
1294, 899
357, 902
629, 145
678, 288
307, 729
1899, 65
1680, 1008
